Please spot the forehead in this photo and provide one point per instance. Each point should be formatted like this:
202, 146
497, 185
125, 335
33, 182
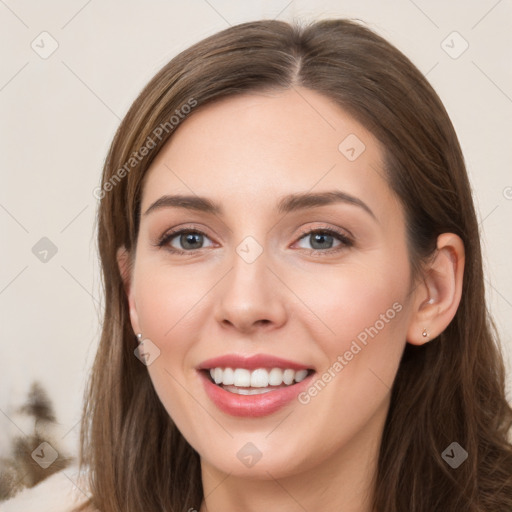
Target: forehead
252, 147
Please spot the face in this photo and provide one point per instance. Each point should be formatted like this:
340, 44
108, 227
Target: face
284, 272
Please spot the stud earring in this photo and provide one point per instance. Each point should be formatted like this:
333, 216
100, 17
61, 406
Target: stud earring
139, 337
425, 333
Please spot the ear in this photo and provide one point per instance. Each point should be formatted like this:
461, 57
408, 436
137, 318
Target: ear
438, 296
124, 261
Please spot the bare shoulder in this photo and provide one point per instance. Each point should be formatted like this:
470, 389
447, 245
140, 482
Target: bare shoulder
61, 492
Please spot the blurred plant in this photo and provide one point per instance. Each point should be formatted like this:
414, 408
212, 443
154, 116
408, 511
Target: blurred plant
21, 470
38, 405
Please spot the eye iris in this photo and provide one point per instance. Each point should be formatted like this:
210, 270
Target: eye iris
191, 240
321, 238
194, 240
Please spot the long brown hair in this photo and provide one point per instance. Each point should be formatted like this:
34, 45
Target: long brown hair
451, 389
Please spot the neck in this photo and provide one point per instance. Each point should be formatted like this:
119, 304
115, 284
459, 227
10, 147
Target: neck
344, 481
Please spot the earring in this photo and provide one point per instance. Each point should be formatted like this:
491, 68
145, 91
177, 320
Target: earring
139, 336
425, 333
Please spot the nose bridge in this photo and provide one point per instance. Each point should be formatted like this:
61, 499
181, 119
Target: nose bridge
250, 267
250, 294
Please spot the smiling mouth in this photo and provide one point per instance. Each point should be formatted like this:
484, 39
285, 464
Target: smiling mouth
242, 381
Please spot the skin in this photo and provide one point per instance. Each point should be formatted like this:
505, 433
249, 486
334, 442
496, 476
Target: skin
295, 301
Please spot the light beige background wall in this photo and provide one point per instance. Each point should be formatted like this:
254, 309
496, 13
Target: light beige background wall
59, 112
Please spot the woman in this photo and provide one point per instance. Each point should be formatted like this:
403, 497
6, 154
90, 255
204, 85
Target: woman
295, 315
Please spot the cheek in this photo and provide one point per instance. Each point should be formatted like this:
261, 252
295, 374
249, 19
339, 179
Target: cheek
368, 317
364, 317
168, 302
350, 299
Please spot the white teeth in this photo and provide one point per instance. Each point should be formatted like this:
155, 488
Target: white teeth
228, 377
300, 375
247, 391
275, 377
288, 376
241, 377
217, 376
259, 378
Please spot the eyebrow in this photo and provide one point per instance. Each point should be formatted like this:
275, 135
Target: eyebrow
286, 204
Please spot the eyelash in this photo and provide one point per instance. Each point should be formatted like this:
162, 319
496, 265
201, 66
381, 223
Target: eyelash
346, 242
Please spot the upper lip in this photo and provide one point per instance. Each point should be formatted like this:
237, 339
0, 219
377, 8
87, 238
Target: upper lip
251, 362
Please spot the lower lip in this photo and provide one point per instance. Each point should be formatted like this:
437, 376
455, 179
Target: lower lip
252, 405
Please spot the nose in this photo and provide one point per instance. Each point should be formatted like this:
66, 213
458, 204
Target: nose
251, 297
